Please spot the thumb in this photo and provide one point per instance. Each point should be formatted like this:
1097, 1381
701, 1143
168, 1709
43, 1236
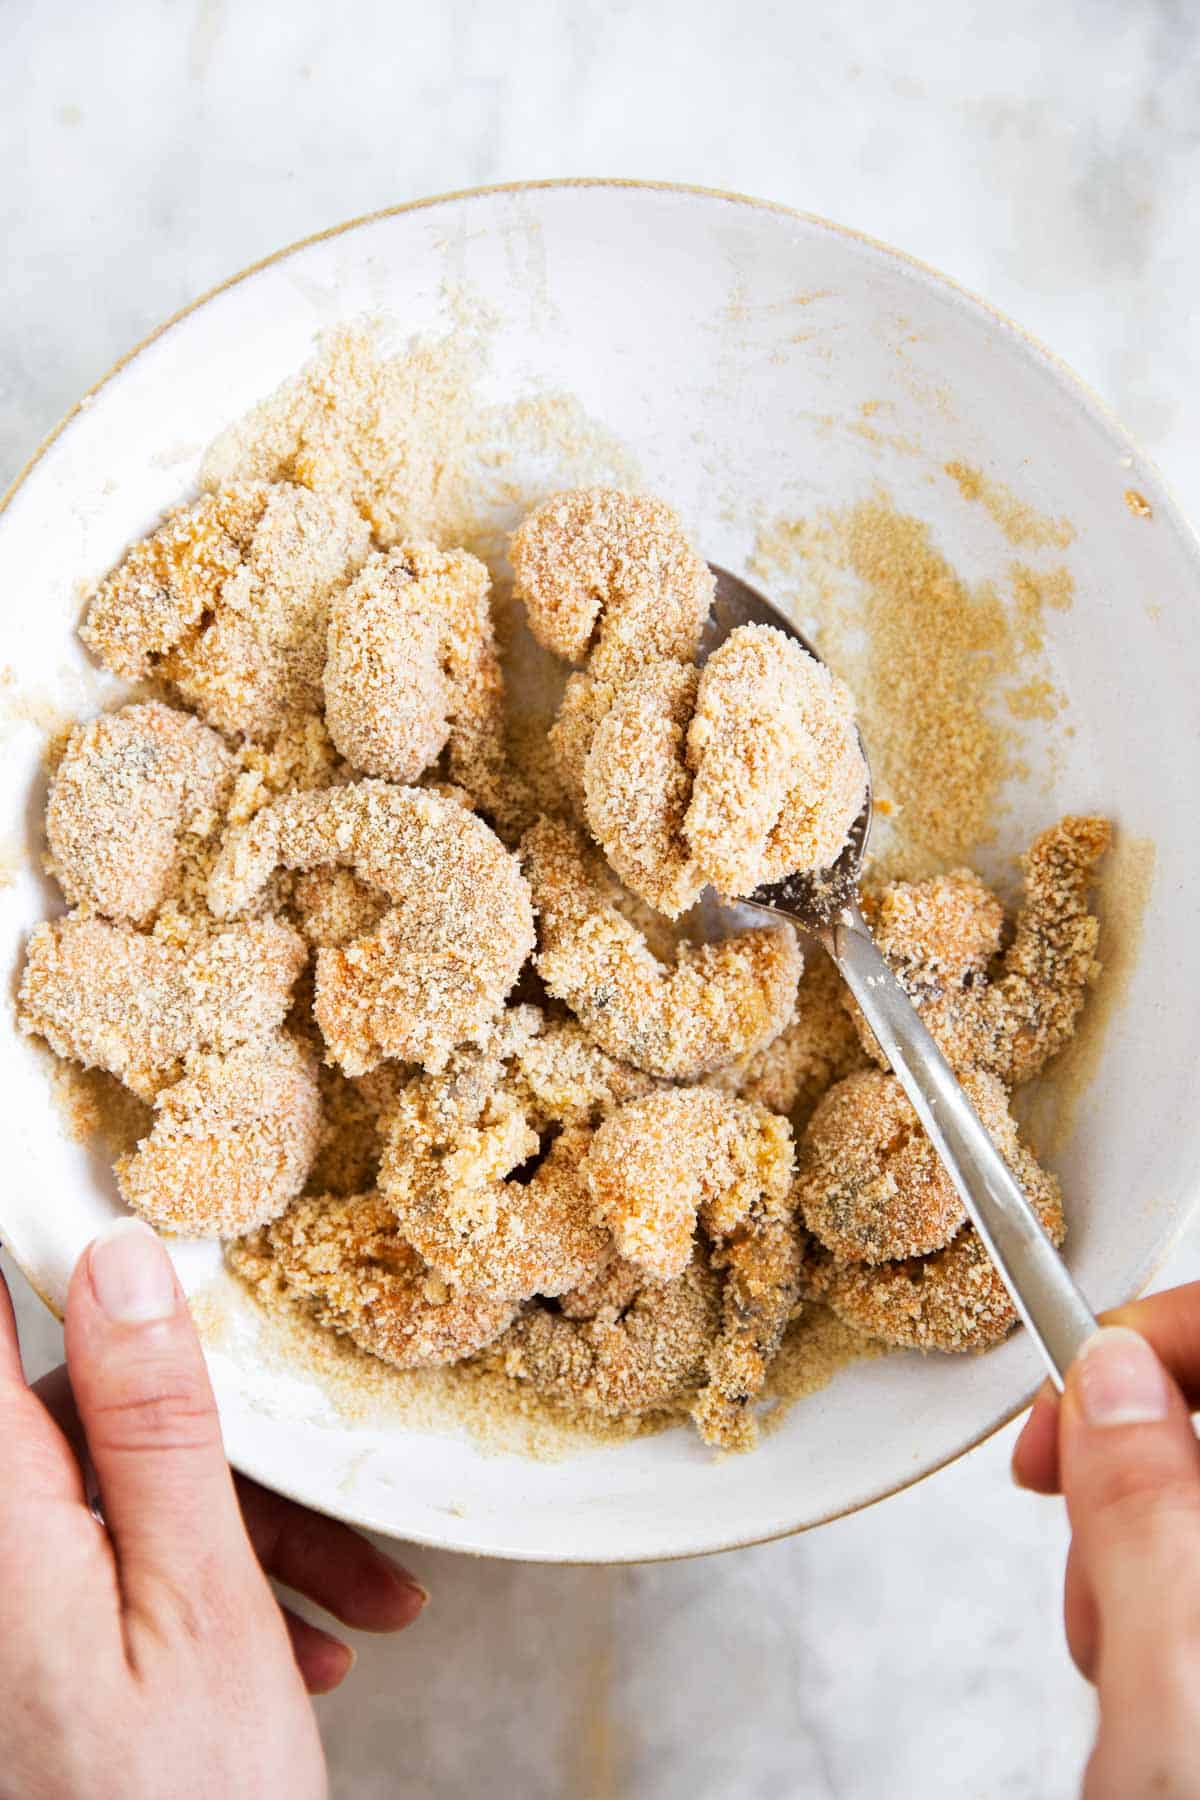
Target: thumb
1131, 1477
148, 1412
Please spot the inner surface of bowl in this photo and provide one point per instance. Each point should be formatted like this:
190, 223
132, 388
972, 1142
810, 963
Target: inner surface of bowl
752, 366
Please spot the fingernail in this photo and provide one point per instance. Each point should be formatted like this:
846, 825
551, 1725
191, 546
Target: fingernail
1120, 1381
132, 1274
421, 1593
399, 1576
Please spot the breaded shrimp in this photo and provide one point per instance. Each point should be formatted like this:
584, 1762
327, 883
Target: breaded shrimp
582, 710
231, 1143
158, 595
655, 1166
659, 1163
817, 1048
651, 1356
437, 968
567, 1079
411, 668
760, 1295
953, 1300
344, 1262
778, 771
1029, 1013
130, 788
452, 1182
939, 937
603, 570
459, 1149
229, 600
613, 574
637, 786
720, 1002
1014, 1022
871, 1186
110, 998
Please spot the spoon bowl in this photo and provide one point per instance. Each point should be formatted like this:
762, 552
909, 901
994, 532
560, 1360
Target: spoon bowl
811, 898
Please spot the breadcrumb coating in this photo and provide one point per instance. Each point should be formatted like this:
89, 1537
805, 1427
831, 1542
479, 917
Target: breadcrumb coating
611, 572
951, 1301
720, 1001
1030, 1012
229, 602
411, 669
231, 1142
111, 998
436, 970
484, 1164
651, 1356
637, 786
732, 776
607, 1297
817, 1048
871, 1186
778, 772
130, 788
344, 1261
610, 576
387, 701
160, 592
938, 937
456, 1190
659, 1164
760, 1295
333, 907
568, 1079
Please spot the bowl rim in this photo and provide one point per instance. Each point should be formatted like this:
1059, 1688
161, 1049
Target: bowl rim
1067, 378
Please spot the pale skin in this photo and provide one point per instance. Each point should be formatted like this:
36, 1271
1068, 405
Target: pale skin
1121, 1448
147, 1658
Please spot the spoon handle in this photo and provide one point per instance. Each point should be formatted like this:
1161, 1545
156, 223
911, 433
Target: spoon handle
1033, 1272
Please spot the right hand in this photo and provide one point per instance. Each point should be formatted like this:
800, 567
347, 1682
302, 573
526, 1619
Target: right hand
1121, 1448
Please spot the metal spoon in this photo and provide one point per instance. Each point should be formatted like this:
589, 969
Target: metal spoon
826, 906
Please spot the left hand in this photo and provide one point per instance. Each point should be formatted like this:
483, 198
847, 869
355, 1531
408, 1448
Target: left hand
317, 1557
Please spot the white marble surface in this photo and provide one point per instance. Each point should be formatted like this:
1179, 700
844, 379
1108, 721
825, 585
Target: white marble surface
1046, 156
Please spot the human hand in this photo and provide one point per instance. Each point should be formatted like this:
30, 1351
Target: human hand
1121, 1448
148, 1658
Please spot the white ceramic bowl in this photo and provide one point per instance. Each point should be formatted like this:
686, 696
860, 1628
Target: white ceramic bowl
731, 345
